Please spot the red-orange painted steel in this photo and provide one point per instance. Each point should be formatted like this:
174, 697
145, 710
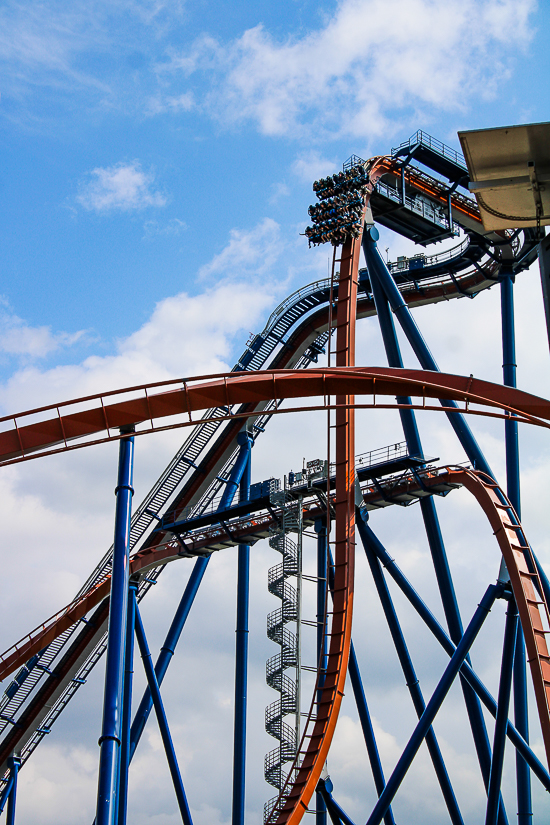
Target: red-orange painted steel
243, 388
318, 734
523, 578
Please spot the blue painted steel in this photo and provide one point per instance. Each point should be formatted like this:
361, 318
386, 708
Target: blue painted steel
363, 711
433, 532
427, 718
241, 649
409, 672
336, 813
393, 354
109, 741
504, 691
322, 571
161, 719
124, 762
368, 730
14, 763
521, 719
6, 792
167, 650
378, 269
473, 679
521, 716
454, 622
509, 376
180, 617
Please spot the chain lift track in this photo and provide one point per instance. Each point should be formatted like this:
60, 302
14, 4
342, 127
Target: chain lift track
55, 660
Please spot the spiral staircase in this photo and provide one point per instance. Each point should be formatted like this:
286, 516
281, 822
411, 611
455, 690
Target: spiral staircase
288, 655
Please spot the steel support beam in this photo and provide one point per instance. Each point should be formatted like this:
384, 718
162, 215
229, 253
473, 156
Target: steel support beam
378, 269
427, 718
109, 741
161, 719
509, 367
245, 441
127, 707
368, 730
509, 379
336, 813
363, 712
380, 290
15, 764
322, 590
180, 617
473, 679
504, 691
409, 672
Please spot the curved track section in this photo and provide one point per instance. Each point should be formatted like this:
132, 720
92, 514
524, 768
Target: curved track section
22, 442
526, 585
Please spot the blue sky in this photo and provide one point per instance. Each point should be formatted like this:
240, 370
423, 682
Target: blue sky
156, 169
138, 138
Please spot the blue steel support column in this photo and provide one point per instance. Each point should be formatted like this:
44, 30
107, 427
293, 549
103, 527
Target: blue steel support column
322, 589
363, 711
521, 717
109, 740
241, 650
336, 813
6, 792
162, 721
427, 718
378, 269
167, 650
473, 679
380, 284
14, 764
504, 691
180, 617
368, 730
509, 376
409, 672
127, 707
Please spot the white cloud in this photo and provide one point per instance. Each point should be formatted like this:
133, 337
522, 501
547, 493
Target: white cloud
41, 44
174, 104
19, 338
311, 165
174, 226
371, 58
185, 335
124, 186
278, 191
253, 250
